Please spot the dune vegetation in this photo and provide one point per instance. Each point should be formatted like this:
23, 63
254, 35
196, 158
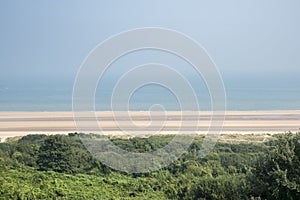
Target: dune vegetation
60, 167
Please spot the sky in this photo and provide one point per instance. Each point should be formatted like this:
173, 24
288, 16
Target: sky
254, 43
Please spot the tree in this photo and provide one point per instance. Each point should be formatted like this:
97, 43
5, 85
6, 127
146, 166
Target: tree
56, 154
277, 175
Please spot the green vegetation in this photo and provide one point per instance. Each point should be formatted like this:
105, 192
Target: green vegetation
59, 167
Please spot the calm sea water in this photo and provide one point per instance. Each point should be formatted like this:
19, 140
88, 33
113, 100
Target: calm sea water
60, 99
245, 91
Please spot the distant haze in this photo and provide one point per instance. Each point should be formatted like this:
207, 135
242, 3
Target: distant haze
254, 43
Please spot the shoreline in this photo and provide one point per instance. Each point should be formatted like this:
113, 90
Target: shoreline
236, 122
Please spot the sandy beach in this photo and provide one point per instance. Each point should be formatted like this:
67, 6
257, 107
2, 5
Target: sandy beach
171, 122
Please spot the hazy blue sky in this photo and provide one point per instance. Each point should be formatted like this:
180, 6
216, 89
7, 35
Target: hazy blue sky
42, 41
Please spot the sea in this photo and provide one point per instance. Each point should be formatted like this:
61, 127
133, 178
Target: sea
149, 97
244, 90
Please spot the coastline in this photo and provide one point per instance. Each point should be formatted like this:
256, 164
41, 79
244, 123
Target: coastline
14, 124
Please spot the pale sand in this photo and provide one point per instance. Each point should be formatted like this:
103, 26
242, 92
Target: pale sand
23, 123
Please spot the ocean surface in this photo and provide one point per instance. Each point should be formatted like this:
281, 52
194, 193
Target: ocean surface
259, 90
60, 99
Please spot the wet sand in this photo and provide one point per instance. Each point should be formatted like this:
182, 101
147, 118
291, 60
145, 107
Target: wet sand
143, 123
